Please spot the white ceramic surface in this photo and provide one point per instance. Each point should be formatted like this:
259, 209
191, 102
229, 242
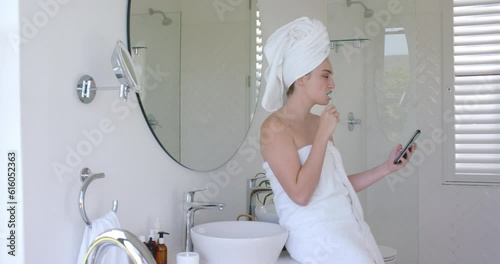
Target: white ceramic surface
389, 254
267, 213
242, 242
188, 258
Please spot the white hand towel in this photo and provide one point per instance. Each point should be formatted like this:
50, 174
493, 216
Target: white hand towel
99, 226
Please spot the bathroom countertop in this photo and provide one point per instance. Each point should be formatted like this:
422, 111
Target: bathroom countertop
286, 259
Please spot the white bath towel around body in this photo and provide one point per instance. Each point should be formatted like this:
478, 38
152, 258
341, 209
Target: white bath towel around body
331, 229
99, 226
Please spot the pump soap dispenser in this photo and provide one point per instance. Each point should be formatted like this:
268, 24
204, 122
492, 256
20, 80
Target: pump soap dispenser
161, 253
151, 244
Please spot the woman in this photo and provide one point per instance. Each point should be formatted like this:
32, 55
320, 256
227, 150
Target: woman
314, 198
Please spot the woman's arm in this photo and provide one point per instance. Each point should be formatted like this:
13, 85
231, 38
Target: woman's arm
279, 150
362, 180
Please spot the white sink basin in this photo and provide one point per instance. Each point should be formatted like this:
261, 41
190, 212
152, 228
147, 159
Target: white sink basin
242, 242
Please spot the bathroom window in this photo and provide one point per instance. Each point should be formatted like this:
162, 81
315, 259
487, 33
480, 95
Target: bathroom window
473, 93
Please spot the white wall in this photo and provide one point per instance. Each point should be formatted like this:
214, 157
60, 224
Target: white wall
54, 124
11, 227
78, 38
457, 224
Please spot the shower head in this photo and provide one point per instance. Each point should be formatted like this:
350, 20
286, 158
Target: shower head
166, 20
368, 11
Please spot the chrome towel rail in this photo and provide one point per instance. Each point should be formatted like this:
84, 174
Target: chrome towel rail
87, 177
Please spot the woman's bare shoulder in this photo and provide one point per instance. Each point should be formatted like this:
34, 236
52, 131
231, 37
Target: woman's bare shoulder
274, 124
275, 131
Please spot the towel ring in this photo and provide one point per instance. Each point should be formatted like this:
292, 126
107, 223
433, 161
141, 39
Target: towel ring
87, 177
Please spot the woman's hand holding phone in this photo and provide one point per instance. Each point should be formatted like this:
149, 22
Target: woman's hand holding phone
408, 146
400, 155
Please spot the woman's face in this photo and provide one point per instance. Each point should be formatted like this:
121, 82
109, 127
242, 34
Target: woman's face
319, 83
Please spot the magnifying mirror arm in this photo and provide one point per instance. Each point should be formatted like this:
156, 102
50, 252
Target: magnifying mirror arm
86, 89
124, 90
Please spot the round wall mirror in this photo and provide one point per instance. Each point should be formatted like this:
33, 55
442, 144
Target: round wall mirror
199, 64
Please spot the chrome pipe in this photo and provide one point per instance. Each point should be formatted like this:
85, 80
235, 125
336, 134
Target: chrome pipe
135, 249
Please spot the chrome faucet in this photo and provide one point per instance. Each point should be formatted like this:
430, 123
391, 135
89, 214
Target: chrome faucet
190, 207
135, 249
252, 191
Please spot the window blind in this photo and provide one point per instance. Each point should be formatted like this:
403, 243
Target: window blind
476, 54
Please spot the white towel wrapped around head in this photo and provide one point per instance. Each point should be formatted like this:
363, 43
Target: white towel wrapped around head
292, 51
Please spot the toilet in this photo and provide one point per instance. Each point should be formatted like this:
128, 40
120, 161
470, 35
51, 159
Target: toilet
389, 254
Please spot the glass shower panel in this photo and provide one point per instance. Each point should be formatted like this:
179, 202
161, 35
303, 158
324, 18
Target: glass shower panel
386, 64
392, 203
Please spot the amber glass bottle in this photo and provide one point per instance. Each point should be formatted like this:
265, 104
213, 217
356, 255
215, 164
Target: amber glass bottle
161, 252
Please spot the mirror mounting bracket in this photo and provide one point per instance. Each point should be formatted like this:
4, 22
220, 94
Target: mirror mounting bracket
86, 89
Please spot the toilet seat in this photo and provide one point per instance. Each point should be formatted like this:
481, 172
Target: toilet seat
388, 253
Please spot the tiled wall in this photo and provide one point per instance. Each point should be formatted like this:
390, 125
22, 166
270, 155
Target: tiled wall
457, 224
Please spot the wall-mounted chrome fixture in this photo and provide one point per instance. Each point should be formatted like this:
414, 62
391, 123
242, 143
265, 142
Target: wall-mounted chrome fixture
253, 189
190, 207
352, 121
166, 20
86, 89
153, 122
86, 176
368, 12
336, 43
124, 70
136, 49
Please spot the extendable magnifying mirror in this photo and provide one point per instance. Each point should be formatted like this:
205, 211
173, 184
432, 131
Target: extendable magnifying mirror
124, 69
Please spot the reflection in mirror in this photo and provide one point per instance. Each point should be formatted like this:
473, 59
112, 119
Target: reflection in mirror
199, 63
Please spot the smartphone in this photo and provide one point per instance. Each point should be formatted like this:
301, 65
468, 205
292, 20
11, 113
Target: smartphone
408, 146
